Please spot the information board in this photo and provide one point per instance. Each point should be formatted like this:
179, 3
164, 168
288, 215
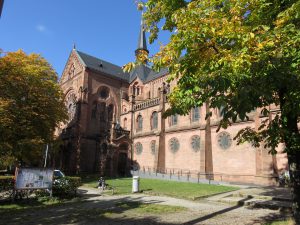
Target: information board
34, 178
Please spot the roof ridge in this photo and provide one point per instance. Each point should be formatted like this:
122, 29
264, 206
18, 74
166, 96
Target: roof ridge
80, 52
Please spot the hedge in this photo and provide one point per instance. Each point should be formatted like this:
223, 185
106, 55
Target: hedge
7, 183
66, 186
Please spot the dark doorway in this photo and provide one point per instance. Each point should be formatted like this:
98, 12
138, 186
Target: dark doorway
122, 163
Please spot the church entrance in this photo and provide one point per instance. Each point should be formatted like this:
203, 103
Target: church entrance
122, 163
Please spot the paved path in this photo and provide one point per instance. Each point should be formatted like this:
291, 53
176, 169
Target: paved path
96, 209
204, 211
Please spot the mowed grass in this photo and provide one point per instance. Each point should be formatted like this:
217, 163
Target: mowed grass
284, 222
40, 202
162, 187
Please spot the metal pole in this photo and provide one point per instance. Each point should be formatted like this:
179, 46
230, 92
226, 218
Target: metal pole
46, 156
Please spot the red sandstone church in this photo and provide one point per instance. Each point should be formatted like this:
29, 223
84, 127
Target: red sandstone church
116, 124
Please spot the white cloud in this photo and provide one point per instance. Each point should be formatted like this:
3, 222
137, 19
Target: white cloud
41, 28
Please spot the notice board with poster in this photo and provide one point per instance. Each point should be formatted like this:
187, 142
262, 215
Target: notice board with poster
33, 178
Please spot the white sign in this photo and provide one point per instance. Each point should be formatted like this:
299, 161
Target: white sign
34, 178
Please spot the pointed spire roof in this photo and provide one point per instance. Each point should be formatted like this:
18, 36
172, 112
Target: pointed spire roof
142, 44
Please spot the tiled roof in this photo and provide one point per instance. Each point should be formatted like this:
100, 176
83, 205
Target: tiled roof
100, 65
143, 72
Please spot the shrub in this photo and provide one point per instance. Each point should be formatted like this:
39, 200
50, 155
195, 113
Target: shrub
7, 183
66, 186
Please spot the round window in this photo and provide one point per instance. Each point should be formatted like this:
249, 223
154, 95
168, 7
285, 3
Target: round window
153, 147
174, 145
195, 143
224, 140
104, 92
138, 148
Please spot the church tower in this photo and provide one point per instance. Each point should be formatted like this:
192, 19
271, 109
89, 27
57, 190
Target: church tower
142, 52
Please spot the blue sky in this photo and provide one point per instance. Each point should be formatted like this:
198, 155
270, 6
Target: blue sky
107, 29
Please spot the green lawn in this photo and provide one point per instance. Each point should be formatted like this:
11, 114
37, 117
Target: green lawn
283, 222
8, 206
161, 187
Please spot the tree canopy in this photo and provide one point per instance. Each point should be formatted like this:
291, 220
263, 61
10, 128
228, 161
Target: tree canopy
31, 106
237, 55
240, 55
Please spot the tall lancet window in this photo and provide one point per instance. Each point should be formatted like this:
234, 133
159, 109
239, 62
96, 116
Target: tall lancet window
154, 120
139, 123
110, 112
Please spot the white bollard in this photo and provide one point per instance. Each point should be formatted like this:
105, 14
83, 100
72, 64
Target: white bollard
135, 184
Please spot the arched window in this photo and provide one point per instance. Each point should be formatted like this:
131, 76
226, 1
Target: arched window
195, 114
154, 120
102, 109
94, 110
173, 120
125, 123
139, 123
136, 90
110, 111
71, 105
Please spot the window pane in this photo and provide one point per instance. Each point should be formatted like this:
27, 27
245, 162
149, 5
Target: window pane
154, 120
195, 114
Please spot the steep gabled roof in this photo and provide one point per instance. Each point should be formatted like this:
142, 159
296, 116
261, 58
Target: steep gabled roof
102, 66
154, 75
143, 72
146, 74
140, 71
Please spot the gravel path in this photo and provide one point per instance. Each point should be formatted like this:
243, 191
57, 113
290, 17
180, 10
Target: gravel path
94, 208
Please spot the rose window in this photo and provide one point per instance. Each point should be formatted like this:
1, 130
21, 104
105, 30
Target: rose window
138, 148
224, 140
174, 145
195, 143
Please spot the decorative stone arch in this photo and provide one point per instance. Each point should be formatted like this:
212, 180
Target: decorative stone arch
73, 61
70, 100
136, 88
110, 100
68, 92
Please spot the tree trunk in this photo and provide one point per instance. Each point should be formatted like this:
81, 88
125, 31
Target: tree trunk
291, 136
294, 169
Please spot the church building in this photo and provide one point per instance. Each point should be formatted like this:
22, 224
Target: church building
116, 125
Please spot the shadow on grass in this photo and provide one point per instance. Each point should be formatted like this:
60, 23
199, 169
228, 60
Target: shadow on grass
105, 211
84, 212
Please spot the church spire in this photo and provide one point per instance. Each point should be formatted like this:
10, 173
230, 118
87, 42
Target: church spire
142, 45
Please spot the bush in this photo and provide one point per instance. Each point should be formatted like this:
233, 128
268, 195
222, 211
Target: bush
66, 186
7, 183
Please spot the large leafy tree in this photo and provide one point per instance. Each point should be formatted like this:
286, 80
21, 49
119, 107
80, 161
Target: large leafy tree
30, 107
237, 55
